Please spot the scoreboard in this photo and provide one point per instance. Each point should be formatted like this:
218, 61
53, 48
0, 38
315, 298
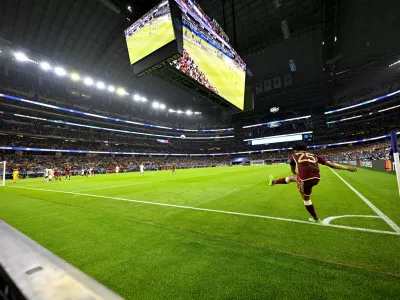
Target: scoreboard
178, 35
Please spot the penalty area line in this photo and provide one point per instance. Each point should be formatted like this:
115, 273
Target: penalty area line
392, 224
210, 210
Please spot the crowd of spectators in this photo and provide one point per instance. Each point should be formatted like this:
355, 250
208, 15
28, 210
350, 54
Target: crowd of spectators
361, 95
370, 151
107, 163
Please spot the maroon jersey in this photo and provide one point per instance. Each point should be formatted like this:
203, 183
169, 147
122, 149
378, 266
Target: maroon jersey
307, 164
66, 171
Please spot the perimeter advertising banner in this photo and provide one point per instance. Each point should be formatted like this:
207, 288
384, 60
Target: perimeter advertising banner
383, 165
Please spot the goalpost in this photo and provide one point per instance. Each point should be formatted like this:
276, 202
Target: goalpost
257, 162
3, 173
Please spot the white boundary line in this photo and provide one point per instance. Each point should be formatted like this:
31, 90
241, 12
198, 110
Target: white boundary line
392, 224
213, 210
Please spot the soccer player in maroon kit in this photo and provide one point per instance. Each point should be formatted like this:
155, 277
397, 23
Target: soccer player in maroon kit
308, 174
67, 173
57, 174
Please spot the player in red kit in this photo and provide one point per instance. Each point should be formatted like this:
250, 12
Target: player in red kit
307, 175
57, 174
67, 173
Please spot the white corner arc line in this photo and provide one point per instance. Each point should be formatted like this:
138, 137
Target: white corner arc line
392, 224
211, 210
328, 220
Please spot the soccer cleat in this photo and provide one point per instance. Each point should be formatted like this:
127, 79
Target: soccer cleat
271, 179
315, 221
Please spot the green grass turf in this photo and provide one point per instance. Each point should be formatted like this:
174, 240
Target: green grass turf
230, 83
142, 43
145, 251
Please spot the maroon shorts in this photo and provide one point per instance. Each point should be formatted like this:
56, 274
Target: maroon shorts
305, 187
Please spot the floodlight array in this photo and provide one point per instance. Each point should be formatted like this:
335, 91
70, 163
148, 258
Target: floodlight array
87, 80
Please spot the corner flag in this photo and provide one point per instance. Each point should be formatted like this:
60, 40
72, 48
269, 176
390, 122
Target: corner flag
395, 152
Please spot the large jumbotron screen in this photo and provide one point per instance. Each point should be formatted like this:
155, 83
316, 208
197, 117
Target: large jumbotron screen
208, 58
151, 32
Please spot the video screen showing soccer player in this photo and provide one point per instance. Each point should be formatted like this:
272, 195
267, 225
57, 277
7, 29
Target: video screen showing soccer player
208, 57
151, 32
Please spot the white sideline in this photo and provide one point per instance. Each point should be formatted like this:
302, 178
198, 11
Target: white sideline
213, 210
373, 207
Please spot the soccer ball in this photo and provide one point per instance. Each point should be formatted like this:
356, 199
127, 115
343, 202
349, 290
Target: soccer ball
183, 136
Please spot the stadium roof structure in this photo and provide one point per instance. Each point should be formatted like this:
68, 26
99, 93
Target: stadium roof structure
333, 43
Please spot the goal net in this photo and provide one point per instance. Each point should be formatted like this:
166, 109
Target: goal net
3, 173
257, 162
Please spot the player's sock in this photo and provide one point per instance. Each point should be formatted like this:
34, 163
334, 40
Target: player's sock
281, 181
311, 209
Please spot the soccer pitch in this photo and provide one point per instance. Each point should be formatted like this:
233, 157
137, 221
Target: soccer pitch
228, 82
150, 38
218, 233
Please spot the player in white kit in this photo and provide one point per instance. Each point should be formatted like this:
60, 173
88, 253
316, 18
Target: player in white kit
51, 174
117, 170
46, 175
141, 167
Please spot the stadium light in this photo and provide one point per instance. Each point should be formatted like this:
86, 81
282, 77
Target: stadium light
88, 81
75, 76
45, 66
143, 99
189, 112
389, 108
60, 71
129, 8
21, 56
162, 106
111, 88
179, 111
136, 97
171, 110
197, 113
100, 85
156, 104
121, 91
395, 63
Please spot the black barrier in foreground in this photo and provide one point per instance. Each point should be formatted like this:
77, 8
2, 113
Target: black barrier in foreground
29, 271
